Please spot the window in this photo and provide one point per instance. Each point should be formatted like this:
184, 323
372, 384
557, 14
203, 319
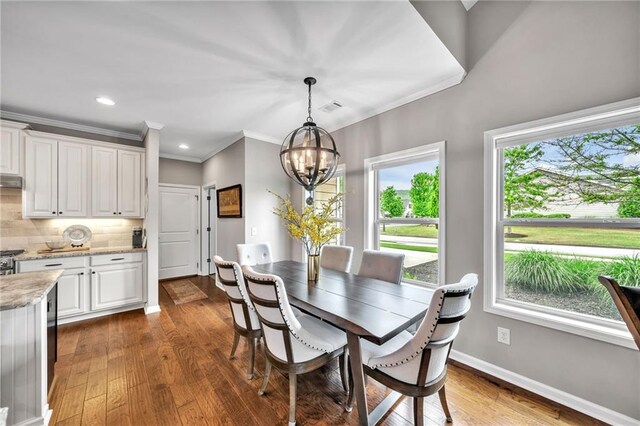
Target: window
562, 207
324, 192
405, 210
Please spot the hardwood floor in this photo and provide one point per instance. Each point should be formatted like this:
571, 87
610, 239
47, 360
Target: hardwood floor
172, 368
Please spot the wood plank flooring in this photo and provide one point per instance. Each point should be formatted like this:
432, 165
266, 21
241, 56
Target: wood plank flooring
172, 368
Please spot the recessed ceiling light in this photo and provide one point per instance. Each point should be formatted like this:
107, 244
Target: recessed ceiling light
183, 146
105, 101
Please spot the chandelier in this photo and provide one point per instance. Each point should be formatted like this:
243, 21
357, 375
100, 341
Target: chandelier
309, 155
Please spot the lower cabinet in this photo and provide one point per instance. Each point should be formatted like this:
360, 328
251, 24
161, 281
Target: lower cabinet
73, 293
93, 284
116, 285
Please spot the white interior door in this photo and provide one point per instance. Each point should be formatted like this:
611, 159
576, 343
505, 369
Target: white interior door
179, 236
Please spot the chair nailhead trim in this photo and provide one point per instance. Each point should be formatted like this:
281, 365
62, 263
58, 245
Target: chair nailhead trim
298, 338
426, 343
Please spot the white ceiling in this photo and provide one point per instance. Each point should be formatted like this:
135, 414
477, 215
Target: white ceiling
209, 70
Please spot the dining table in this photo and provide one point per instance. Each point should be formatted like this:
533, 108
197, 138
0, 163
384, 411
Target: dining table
365, 308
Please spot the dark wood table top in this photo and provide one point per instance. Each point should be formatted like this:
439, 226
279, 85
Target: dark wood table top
373, 309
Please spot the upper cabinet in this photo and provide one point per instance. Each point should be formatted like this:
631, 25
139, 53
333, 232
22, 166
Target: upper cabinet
117, 177
73, 179
65, 178
40, 197
11, 147
104, 177
129, 183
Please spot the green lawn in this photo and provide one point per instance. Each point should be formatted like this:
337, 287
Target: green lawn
624, 238
409, 247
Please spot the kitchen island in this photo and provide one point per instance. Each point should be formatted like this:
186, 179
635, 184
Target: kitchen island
27, 344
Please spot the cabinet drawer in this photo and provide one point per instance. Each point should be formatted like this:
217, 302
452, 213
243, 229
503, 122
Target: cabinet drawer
51, 263
114, 259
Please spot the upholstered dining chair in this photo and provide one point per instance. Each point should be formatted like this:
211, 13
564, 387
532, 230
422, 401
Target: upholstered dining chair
416, 365
245, 319
382, 265
293, 345
627, 300
254, 254
337, 258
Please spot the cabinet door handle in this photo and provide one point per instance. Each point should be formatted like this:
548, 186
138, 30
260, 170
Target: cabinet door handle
54, 264
93, 272
59, 212
119, 212
81, 273
114, 212
117, 258
53, 212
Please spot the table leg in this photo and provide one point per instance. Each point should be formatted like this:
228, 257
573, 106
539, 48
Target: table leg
359, 389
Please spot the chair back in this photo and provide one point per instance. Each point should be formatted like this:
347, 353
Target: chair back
627, 300
423, 359
337, 258
381, 265
254, 254
242, 310
284, 337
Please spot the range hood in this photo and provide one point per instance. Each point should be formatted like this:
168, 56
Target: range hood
10, 181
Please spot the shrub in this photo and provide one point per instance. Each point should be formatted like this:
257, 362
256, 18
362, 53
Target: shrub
541, 271
526, 215
534, 215
558, 216
625, 270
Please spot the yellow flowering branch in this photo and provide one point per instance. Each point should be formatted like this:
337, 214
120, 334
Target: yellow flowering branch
312, 227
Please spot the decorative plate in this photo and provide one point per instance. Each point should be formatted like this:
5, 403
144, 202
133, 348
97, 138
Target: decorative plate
77, 235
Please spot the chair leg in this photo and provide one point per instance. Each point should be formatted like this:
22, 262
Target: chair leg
418, 411
252, 357
344, 368
265, 379
445, 406
293, 385
236, 339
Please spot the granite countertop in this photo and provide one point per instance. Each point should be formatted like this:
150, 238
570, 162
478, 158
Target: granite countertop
32, 255
29, 288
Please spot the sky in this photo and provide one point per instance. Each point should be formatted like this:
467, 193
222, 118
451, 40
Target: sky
400, 177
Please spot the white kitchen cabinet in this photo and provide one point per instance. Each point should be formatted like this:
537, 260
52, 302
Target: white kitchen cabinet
11, 147
73, 293
40, 192
104, 181
116, 285
129, 183
73, 179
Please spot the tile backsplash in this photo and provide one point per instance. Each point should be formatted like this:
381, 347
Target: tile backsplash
30, 234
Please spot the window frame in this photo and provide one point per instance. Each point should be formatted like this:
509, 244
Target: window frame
598, 118
372, 208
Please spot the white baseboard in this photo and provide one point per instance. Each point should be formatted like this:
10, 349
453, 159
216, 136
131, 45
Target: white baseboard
151, 309
561, 397
97, 314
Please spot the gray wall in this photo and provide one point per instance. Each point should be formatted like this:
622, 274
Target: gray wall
225, 169
255, 165
263, 172
180, 172
530, 61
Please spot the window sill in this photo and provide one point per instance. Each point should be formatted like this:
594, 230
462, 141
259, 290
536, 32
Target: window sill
597, 329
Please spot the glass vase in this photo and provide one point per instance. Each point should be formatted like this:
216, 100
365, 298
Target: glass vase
313, 267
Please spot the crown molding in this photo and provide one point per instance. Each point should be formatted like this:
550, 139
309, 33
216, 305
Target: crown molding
181, 157
443, 84
226, 142
32, 119
151, 125
261, 137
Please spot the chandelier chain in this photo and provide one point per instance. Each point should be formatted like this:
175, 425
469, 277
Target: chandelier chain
309, 109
